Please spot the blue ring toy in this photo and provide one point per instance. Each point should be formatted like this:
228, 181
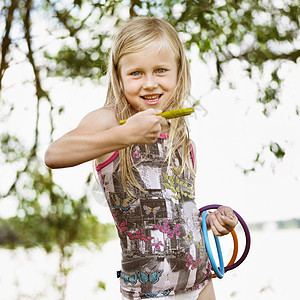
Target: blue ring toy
221, 270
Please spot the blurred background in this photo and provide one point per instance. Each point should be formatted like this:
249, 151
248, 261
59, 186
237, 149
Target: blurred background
57, 239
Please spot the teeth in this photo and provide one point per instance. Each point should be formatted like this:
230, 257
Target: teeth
151, 97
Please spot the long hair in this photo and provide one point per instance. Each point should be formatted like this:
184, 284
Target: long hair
136, 35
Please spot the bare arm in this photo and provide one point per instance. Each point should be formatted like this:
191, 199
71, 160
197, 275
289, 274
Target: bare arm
99, 133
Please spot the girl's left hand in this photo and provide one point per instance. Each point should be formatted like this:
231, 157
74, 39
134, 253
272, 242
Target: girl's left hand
222, 221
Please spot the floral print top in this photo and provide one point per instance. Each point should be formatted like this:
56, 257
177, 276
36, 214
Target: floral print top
163, 252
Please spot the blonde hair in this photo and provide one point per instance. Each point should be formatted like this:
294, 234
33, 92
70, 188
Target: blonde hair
136, 35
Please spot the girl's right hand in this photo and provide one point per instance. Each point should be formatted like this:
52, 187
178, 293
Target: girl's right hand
144, 127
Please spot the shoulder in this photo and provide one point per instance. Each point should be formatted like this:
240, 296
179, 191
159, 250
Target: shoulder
100, 119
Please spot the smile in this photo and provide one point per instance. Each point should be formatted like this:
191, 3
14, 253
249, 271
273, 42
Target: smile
152, 99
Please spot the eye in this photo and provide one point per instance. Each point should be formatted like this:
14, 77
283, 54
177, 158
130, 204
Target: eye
160, 70
136, 73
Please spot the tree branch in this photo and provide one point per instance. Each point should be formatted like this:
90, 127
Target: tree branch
63, 18
6, 39
132, 12
39, 91
267, 55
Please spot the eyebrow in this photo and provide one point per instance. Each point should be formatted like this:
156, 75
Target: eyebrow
138, 68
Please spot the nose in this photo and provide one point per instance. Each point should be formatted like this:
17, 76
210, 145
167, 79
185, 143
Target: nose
150, 83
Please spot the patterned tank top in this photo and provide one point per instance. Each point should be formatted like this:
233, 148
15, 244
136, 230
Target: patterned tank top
163, 252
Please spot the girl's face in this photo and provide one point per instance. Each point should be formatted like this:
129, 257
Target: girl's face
149, 77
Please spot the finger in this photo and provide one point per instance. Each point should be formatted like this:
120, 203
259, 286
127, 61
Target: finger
226, 211
151, 111
219, 218
154, 130
223, 224
158, 125
218, 230
162, 121
230, 221
228, 216
217, 225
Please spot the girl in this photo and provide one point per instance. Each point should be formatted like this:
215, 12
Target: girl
147, 166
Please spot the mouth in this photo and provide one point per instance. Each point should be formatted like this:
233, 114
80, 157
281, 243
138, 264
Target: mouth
151, 99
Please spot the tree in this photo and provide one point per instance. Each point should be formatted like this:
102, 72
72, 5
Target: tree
46, 216
262, 35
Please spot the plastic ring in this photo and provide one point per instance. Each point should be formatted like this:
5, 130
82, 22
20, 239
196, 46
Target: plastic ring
235, 250
218, 271
247, 236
